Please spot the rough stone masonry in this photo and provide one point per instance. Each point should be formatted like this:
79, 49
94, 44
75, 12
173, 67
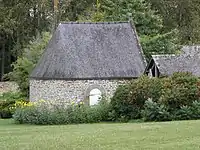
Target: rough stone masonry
62, 90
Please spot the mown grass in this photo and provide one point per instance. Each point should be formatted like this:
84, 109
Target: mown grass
183, 135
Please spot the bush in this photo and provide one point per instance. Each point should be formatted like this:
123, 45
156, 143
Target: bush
11, 96
5, 113
170, 95
122, 110
48, 113
195, 108
183, 113
181, 89
143, 89
7, 101
155, 112
188, 112
128, 100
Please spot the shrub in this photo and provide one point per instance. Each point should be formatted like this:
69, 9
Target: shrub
11, 96
121, 108
7, 101
5, 113
49, 113
181, 89
183, 113
4, 108
195, 108
155, 112
128, 100
143, 89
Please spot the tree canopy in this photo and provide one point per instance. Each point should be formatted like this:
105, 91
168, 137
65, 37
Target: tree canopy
162, 25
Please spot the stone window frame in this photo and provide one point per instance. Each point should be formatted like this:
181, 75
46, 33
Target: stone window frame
90, 88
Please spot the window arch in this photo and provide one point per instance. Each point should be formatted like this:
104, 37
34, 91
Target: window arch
95, 96
92, 93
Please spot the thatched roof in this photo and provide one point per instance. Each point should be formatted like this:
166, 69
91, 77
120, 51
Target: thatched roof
91, 51
187, 61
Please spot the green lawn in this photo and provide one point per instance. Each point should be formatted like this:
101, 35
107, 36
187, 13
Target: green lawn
150, 136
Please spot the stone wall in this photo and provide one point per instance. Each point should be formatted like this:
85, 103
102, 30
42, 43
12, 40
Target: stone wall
8, 87
62, 90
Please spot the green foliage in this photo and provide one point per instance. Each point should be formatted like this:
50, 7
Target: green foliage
148, 23
188, 112
71, 10
183, 113
21, 21
22, 69
181, 89
92, 14
121, 108
4, 109
145, 19
158, 112
195, 108
158, 99
154, 112
180, 14
144, 88
10, 96
25, 64
160, 44
50, 114
7, 100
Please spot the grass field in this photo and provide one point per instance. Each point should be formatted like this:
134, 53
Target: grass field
140, 136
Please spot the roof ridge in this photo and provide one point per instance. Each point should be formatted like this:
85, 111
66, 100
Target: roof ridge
114, 22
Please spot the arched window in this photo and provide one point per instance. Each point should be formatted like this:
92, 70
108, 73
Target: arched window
94, 97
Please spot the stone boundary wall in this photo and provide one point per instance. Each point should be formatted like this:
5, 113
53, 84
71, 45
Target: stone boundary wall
8, 87
61, 90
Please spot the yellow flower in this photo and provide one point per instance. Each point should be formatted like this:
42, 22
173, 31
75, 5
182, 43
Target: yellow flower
81, 103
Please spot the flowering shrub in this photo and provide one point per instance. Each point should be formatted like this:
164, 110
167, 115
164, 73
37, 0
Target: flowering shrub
53, 112
7, 100
20, 104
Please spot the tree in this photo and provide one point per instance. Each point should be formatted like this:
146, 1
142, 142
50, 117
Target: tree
70, 10
181, 14
148, 23
20, 22
93, 13
166, 43
25, 64
145, 19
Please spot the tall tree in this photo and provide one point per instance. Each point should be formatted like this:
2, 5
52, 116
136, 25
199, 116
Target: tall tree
149, 25
70, 10
20, 21
145, 19
93, 13
181, 14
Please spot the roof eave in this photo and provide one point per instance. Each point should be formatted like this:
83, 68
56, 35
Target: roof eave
94, 78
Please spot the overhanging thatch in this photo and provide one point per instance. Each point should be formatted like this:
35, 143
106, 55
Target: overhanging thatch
91, 51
